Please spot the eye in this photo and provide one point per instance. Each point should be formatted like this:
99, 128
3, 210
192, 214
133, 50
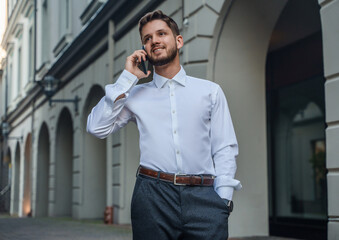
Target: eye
147, 39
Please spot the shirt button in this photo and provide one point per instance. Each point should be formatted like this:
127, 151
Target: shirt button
173, 111
175, 132
178, 152
171, 94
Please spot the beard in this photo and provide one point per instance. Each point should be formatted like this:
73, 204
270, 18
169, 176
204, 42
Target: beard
172, 53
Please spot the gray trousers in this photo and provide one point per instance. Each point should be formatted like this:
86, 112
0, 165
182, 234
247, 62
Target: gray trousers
164, 211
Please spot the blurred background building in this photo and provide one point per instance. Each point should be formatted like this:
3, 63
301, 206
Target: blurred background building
276, 60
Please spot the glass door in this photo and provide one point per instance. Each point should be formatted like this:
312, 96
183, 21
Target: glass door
296, 142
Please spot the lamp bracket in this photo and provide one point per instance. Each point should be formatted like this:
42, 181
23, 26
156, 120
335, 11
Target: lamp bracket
75, 101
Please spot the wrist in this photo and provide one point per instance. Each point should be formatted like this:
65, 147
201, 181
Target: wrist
229, 204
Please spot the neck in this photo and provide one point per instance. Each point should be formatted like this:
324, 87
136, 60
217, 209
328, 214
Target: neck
169, 70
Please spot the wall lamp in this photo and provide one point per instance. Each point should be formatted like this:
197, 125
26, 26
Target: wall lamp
50, 85
5, 132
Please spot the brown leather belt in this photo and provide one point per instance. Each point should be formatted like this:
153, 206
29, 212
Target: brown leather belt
178, 179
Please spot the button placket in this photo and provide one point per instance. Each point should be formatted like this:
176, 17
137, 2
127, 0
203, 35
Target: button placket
175, 125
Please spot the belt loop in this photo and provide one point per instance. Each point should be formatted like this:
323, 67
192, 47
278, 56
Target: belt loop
158, 176
202, 179
138, 170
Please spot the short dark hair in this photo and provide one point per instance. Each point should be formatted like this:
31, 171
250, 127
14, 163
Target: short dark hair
159, 15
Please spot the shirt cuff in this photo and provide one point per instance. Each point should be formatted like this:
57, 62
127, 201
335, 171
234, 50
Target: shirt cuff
225, 186
127, 80
225, 192
123, 85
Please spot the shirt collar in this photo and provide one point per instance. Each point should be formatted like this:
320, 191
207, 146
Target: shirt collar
180, 78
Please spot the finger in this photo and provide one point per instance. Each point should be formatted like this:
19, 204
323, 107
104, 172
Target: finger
132, 59
143, 74
139, 52
137, 56
144, 51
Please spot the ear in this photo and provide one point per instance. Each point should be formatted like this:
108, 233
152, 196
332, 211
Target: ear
180, 41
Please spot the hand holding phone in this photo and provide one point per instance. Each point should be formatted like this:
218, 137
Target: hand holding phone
135, 64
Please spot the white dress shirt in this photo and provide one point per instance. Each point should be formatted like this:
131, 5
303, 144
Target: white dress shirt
184, 125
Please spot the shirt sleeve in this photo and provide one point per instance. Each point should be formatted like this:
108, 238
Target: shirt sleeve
110, 115
224, 147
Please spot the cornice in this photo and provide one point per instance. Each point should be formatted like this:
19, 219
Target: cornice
64, 41
9, 47
17, 29
3, 63
92, 7
27, 8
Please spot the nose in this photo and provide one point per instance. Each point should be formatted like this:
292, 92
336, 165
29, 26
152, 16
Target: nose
155, 39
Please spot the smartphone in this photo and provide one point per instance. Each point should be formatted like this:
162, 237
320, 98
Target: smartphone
143, 64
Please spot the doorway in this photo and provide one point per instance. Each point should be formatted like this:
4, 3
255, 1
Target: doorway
43, 172
64, 165
296, 124
95, 166
27, 198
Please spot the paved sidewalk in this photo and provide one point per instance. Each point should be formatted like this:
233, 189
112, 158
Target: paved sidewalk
12, 228
60, 228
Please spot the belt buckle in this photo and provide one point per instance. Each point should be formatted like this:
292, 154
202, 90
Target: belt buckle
175, 179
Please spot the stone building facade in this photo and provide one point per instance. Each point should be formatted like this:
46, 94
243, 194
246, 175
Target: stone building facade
277, 62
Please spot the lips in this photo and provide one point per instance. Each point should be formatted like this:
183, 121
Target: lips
157, 49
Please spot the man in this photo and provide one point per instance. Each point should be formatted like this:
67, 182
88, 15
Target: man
188, 147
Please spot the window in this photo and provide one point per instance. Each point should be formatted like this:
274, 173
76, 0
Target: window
31, 54
299, 149
296, 140
10, 79
19, 72
64, 20
65, 24
45, 31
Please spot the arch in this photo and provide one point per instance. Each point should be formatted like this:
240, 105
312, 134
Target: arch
43, 172
26, 203
96, 92
94, 160
64, 164
16, 178
310, 111
237, 63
